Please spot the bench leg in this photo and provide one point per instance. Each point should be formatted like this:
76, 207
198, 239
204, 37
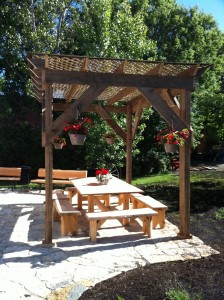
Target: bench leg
147, 225
159, 219
69, 224
71, 193
56, 216
92, 230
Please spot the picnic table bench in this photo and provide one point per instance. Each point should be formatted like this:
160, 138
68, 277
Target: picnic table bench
60, 177
144, 213
140, 201
10, 174
65, 213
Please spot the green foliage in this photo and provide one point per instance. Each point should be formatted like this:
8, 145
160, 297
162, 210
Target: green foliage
219, 215
154, 30
109, 29
181, 295
103, 154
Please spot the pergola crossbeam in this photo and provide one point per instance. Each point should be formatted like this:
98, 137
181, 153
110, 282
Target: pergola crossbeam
112, 79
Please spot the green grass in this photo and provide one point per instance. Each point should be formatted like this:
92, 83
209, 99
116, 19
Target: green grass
172, 179
181, 295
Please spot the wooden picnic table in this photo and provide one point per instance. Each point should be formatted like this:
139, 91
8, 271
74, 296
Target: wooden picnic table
91, 188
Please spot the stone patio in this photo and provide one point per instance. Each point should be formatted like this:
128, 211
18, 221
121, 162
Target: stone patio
30, 271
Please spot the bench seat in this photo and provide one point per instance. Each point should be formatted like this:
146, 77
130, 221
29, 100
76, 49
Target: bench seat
144, 213
63, 211
59, 177
54, 181
10, 174
140, 201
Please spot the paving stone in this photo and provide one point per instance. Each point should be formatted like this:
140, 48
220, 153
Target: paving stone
28, 270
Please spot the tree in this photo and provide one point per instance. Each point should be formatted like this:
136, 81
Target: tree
95, 28
188, 35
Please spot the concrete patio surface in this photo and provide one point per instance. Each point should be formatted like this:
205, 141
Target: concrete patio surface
30, 271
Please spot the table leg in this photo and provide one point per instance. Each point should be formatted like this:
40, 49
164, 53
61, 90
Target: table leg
79, 201
90, 203
125, 199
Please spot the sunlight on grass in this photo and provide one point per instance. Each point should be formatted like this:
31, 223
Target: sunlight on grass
173, 178
157, 179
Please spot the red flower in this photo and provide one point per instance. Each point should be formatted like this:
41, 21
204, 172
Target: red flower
104, 171
98, 172
172, 137
80, 126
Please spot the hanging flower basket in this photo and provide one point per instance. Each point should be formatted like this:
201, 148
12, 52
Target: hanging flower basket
110, 141
78, 130
170, 148
58, 146
77, 138
172, 139
59, 142
109, 137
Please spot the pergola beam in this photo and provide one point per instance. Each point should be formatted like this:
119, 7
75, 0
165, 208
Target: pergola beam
163, 109
121, 109
112, 79
76, 108
104, 114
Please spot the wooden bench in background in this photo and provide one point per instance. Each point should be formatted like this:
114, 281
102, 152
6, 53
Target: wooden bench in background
140, 201
10, 174
63, 211
144, 213
59, 177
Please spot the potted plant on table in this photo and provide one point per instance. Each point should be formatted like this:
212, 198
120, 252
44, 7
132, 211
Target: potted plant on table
172, 139
59, 142
109, 137
78, 130
103, 176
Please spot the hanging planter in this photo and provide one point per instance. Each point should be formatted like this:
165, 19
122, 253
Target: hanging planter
109, 137
77, 138
170, 148
110, 141
59, 142
172, 139
78, 130
58, 146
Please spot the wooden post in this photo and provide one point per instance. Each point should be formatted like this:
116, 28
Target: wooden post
129, 145
184, 171
47, 125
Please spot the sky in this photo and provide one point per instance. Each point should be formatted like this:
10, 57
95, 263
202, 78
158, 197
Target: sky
213, 7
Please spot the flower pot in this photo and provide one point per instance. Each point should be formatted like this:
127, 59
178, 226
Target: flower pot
170, 148
110, 140
77, 139
103, 182
58, 146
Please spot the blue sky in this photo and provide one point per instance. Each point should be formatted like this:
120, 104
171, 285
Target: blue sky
213, 7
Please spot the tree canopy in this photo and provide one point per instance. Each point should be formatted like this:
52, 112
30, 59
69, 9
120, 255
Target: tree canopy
153, 30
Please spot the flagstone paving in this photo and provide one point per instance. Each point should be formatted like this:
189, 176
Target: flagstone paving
28, 270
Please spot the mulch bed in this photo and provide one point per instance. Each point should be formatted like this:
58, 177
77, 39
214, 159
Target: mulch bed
203, 277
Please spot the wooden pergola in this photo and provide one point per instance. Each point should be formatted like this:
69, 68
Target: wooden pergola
122, 86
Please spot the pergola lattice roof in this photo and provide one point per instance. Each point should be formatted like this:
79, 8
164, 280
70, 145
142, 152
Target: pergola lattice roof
72, 88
